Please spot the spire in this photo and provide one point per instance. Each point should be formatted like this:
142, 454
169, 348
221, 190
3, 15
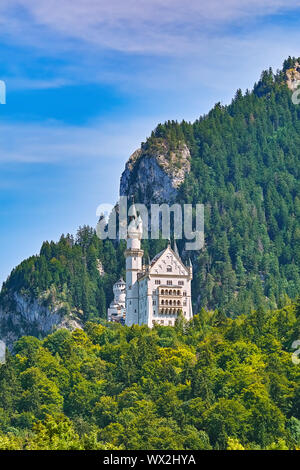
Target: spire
133, 212
135, 227
175, 248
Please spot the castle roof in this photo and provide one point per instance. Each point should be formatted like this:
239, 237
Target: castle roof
160, 254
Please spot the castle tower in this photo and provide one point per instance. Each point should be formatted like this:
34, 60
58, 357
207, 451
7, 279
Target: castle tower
116, 311
119, 292
133, 255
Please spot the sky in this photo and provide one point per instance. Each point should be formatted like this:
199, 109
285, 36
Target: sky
88, 80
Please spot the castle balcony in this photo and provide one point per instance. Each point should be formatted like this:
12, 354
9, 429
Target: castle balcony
170, 291
170, 302
170, 311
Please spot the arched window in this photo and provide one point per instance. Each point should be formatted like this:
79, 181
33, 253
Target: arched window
174, 302
174, 292
178, 302
162, 302
178, 292
162, 292
170, 292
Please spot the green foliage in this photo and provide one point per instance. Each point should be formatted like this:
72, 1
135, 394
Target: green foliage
245, 169
212, 383
66, 275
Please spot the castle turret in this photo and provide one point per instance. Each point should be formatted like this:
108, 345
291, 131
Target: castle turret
134, 255
119, 292
116, 311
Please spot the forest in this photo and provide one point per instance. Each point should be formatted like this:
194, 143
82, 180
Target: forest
226, 379
212, 383
246, 172
245, 169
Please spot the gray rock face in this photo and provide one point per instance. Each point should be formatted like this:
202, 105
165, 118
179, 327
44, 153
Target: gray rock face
293, 77
25, 316
155, 174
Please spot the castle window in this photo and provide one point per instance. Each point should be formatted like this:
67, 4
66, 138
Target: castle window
157, 281
180, 283
169, 269
169, 283
154, 302
184, 293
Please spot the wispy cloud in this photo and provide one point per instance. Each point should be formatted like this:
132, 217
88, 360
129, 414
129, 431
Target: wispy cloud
139, 26
55, 143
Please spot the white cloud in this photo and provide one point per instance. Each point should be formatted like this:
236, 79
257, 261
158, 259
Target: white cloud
154, 26
54, 142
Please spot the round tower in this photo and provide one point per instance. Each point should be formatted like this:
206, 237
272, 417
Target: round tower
134, 255
119, 290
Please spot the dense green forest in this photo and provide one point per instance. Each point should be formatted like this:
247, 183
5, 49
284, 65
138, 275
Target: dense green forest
212, 383
67, 274
245, 169
226, 379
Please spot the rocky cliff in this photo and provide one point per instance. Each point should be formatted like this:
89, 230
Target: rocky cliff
22, 315
293, 76
154, 172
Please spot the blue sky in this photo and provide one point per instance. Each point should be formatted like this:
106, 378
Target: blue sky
88, 80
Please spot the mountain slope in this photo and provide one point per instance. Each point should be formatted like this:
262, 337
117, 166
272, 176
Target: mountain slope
215, 383
245, 168
242, 162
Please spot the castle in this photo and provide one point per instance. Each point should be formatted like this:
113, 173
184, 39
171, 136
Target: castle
155, 293
117, 309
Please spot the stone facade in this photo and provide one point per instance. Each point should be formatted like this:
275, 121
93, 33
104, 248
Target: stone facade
159, 291
117, 310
